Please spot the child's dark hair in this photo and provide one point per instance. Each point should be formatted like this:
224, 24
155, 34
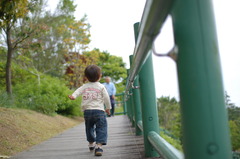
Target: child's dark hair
93, 73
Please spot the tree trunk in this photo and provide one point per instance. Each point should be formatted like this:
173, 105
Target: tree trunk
9, 62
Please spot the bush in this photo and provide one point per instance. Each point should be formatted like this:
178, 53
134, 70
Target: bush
48, 97
5, 101
235, 134
19, 75
2, 74
174, 142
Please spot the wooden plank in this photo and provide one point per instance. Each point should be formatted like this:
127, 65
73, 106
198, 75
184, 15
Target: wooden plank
72, 144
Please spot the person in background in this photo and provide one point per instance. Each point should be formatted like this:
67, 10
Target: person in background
111, 89
94, 97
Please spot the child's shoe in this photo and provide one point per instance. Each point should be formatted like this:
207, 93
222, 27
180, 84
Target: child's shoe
91, 147
98, 152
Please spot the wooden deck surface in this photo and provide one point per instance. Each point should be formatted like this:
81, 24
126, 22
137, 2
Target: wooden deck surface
72, 144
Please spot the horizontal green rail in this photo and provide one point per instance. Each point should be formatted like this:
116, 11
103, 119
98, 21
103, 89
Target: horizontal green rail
168, 133
154, 15
119, 94
165, 149
199, 78
119, 113
122, 102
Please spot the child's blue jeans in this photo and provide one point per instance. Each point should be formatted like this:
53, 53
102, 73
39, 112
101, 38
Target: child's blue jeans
96, 123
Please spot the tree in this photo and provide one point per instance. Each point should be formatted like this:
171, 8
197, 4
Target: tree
75, 71
112, 66
233, 110
169, 115
235, 134
228, 100
234, 122
3, 53
234, 113
10, 13
61, 35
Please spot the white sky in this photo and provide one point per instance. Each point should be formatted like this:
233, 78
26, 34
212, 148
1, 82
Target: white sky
112, 30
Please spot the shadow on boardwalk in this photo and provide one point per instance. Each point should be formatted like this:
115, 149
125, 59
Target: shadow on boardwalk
72, 144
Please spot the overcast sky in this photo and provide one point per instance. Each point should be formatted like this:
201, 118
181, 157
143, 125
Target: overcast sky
112, 30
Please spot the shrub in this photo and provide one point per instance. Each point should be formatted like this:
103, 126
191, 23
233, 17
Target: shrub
235, 134
48, 97
174, 142
5, 101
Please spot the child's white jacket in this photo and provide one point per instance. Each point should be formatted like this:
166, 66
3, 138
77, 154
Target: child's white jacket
94, 96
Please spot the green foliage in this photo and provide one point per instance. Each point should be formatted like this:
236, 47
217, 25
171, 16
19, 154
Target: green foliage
2, 75
119, 109
175, 143
228, 100
234, 122
169, 115
235, 134
10, 11
112, 66
66, 7
53, 35
38, 42
5, 100
13, 15
234, 113
3, 54
18, 75
120, 87
49, 97
170, 119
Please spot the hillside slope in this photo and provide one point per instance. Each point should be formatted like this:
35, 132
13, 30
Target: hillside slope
21, 129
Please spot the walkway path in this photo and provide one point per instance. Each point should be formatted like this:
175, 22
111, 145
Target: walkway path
72, 144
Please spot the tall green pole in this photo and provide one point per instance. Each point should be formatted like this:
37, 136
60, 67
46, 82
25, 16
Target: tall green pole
136, 92
204, 115
132, 98
149, 105
132, 110
137, 106
124, 104
129, 107
128, 103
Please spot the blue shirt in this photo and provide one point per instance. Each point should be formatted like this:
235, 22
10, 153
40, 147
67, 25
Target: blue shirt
111, 89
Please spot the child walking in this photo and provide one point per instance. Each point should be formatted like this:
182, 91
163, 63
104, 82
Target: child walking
94, 96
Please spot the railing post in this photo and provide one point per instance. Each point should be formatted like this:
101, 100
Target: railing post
136, 91
132, 110
132, 98
124, 104
137, 106
204, 116
128, 103
149, 105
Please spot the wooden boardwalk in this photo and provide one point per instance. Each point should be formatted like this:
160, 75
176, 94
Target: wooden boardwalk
72, 144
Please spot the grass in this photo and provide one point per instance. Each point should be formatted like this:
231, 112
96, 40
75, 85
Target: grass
174, 142
20, 129
118, 109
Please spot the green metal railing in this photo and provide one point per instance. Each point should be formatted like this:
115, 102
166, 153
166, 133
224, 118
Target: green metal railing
204, 116
120, 103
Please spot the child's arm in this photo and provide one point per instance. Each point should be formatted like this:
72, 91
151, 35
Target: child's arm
76, 94
71, 97
106, 101
108, 111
